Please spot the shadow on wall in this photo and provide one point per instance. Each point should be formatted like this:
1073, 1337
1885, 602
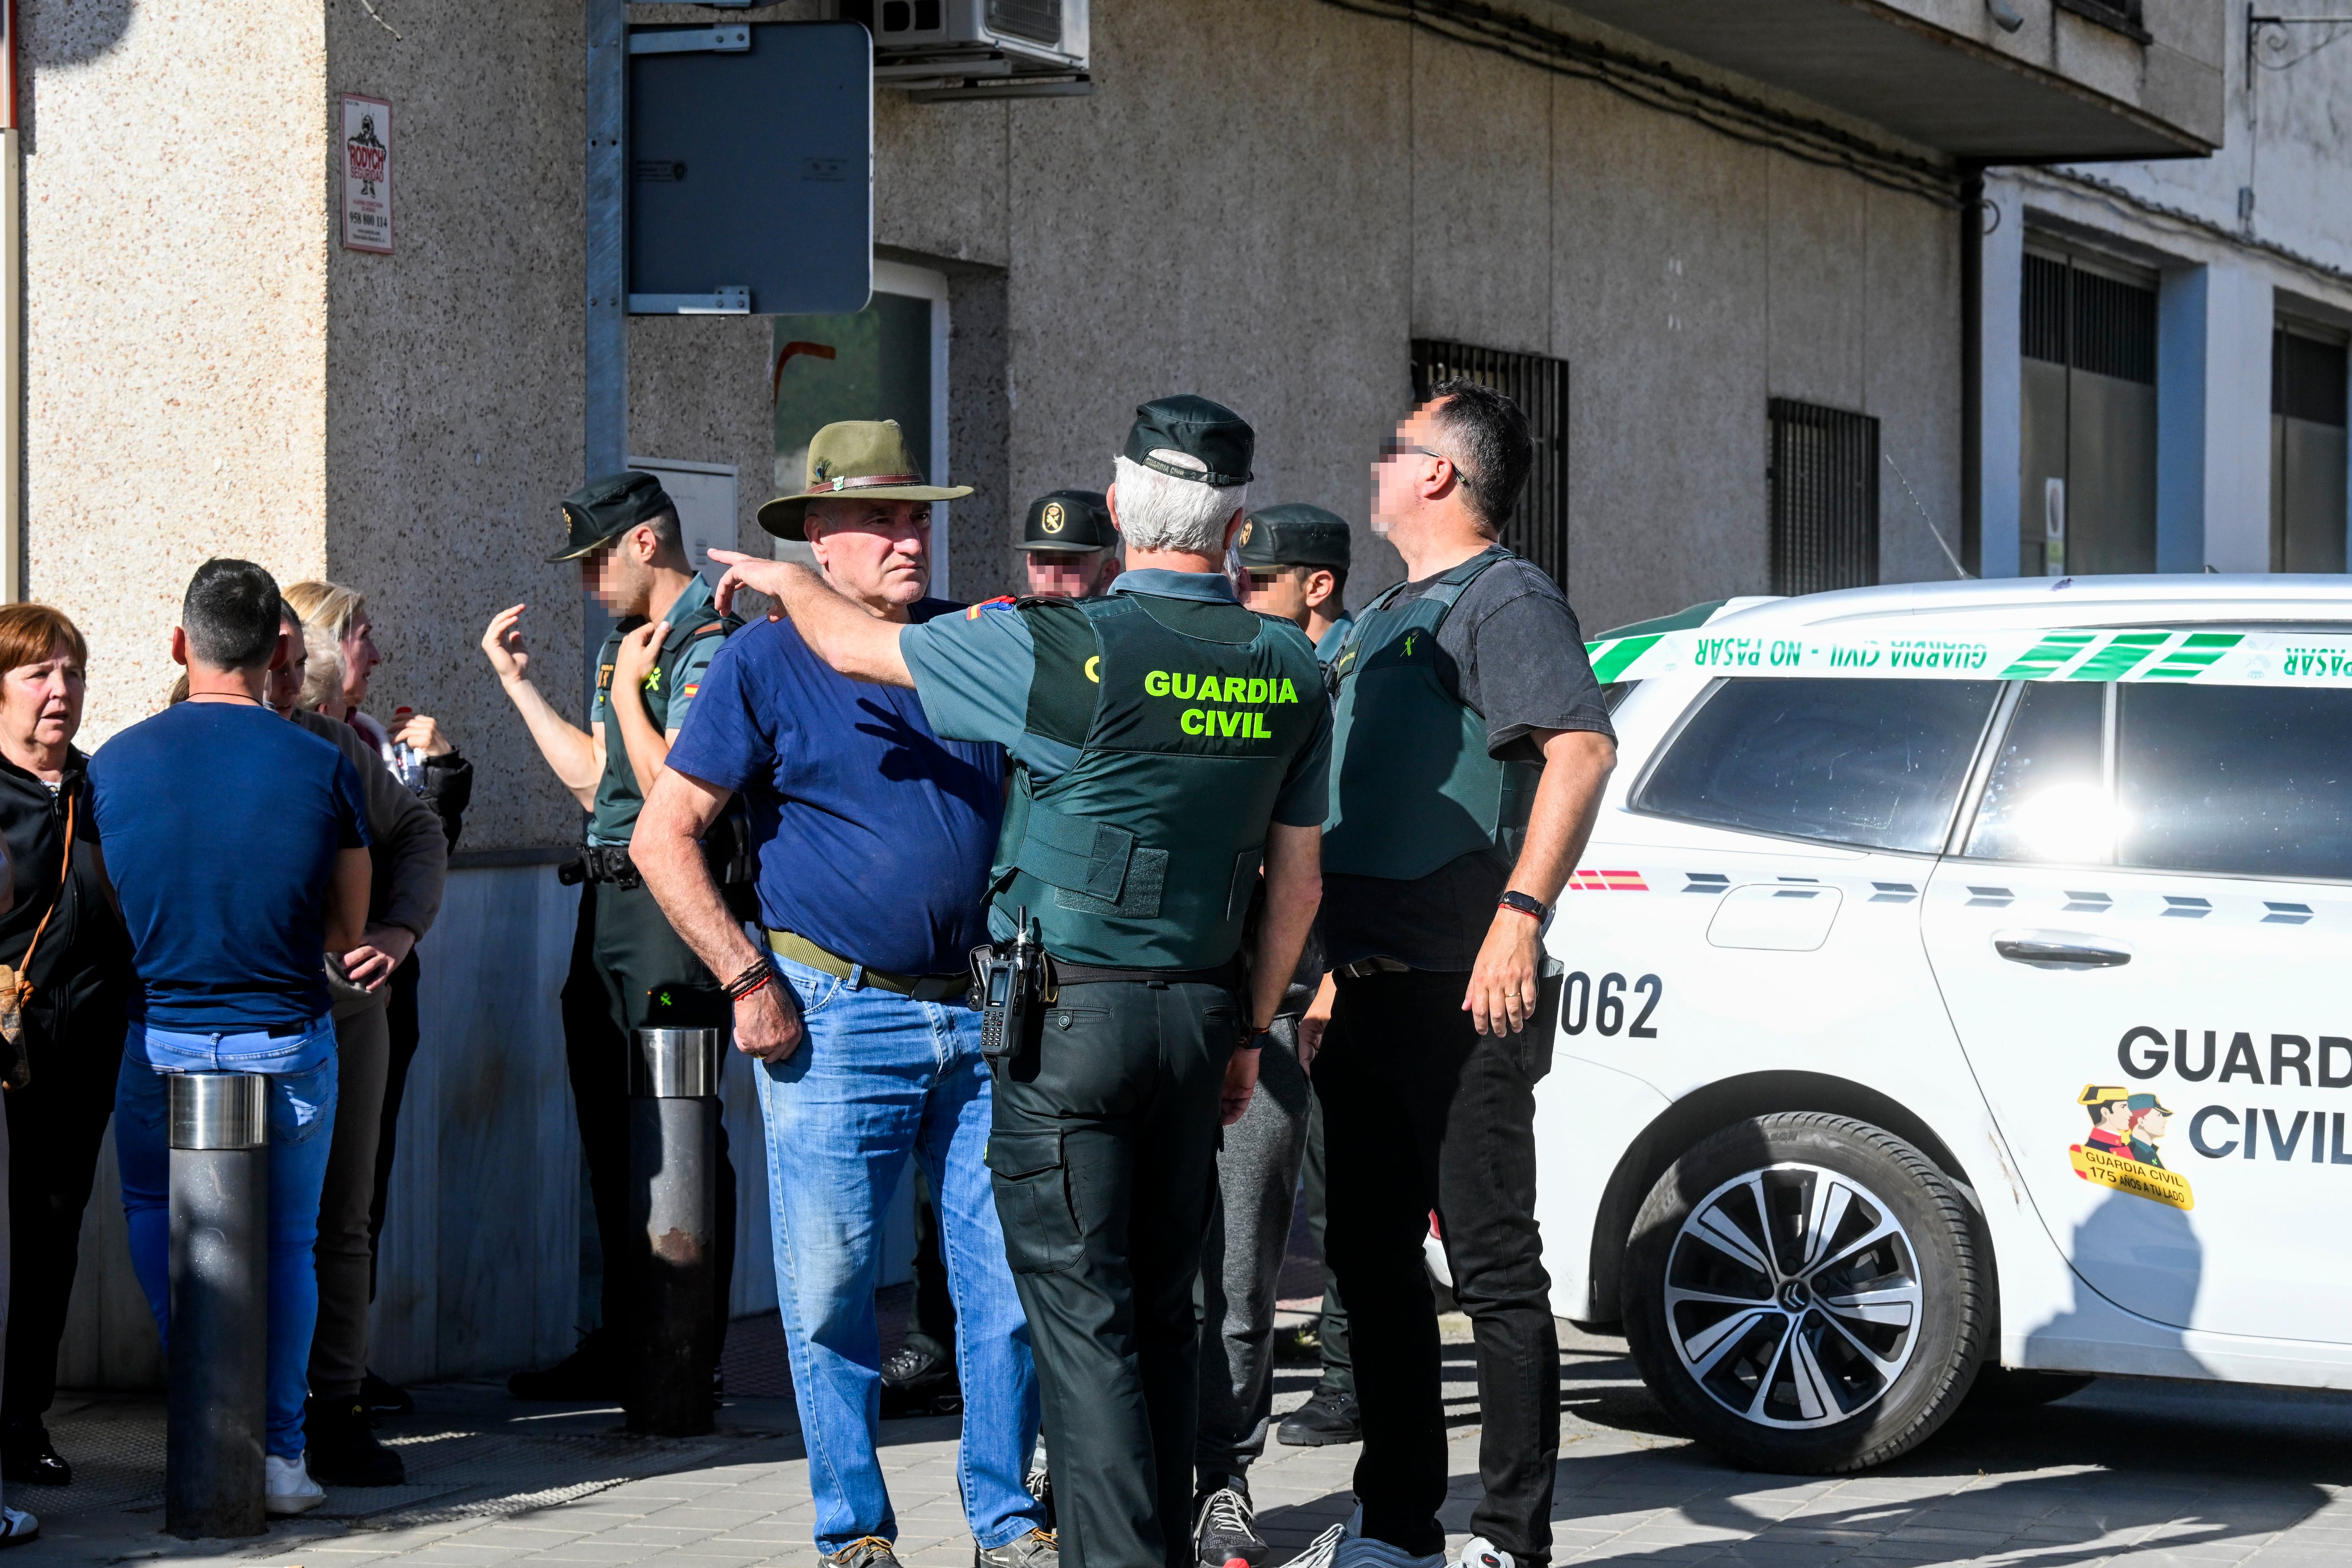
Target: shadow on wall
70, 32
60, 33
2140, 1258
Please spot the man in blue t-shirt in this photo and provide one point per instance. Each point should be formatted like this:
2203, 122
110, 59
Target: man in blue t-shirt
237, 845
874, 838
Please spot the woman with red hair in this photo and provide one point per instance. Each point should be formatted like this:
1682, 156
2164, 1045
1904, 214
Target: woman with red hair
63, 935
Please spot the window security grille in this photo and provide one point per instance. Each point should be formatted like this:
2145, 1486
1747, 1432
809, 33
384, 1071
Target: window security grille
2124, 15
2307, 378
2088, 319
1537, 528
2044, 309
2115, 328
1824, 498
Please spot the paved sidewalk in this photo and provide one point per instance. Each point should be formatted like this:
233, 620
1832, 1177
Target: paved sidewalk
2145, 1473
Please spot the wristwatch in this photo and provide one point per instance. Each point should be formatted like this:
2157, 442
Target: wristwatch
1524, 903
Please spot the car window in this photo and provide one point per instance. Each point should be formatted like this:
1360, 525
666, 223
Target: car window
2047, 798
1876, 763
2245, 779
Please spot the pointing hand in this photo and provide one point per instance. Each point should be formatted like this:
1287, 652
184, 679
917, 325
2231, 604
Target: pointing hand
749, 571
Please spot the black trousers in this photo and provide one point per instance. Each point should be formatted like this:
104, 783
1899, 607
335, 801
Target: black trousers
1331, 1329
56, 1125
400, 1013
1422, 1113
631, 970
1104, 1153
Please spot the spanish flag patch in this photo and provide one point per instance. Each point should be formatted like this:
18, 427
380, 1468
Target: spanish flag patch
1001, 602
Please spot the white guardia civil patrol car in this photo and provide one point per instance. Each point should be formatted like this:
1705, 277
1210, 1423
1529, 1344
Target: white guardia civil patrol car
1960, 977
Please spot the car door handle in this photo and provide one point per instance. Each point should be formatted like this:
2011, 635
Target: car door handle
2058, 950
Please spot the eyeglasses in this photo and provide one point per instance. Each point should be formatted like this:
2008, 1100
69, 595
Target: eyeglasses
1397, 447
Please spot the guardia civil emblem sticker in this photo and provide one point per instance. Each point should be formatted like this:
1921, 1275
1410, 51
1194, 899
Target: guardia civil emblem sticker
1052, 519
2120, 1151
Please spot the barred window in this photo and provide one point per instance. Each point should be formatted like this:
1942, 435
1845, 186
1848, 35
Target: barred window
1537, 528
2124, 15
2074, 316
1824, 498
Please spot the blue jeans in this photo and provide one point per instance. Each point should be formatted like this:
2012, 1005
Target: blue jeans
880, 1077
301, 1129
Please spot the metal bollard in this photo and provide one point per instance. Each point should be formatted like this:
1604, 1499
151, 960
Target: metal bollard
674, 1215
218, 1364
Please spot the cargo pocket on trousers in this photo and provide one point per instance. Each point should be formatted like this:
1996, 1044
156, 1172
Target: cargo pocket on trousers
1032, 1200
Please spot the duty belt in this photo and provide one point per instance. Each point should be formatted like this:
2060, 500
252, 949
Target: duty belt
600, 863
918, 987
1227, 974
1365, 968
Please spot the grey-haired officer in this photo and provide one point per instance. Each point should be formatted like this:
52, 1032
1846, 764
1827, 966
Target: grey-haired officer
1295, 557
1068, 546
629, 969
1166, 742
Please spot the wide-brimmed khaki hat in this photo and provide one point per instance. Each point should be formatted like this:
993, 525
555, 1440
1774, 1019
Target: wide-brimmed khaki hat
863, 459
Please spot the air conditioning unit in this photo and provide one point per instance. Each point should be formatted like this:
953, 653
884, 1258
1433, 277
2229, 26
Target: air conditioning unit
976, 48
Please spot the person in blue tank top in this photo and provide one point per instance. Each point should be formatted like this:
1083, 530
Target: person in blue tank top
873, 835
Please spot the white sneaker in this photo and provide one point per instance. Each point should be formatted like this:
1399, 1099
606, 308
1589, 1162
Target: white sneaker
1480, 1552
1363, 1551
1321, 1550
17, 1526
287, 1485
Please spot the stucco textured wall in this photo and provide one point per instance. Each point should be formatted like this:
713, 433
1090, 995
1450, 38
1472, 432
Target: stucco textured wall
1266, 202
177, 282
2289, 122
453, 395
1263, 201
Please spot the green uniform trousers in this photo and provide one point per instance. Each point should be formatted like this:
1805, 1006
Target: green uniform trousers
1103, 1155
631, 970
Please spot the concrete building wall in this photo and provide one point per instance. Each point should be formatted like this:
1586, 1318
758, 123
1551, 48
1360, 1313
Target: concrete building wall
176, 371
2288, 121
1266, 202
2171, 78
2259, 230
453, 398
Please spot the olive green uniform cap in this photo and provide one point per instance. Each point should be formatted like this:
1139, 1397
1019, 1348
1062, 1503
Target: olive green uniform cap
1198, 428
1294, 534
854, 460
603, 510
1068, 521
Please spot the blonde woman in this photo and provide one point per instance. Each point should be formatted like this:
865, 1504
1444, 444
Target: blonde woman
375, 1024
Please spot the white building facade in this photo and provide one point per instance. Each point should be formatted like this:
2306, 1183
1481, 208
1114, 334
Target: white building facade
2160, 348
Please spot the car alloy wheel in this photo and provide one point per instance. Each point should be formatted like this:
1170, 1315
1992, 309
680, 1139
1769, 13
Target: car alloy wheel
1793, 1296
1803, 1292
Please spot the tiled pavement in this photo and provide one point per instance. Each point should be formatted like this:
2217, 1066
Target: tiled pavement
2145, 1473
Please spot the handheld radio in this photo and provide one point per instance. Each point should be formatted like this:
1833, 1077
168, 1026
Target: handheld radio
1008, 979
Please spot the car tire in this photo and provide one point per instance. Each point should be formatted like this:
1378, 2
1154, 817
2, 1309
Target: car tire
1841, 1333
